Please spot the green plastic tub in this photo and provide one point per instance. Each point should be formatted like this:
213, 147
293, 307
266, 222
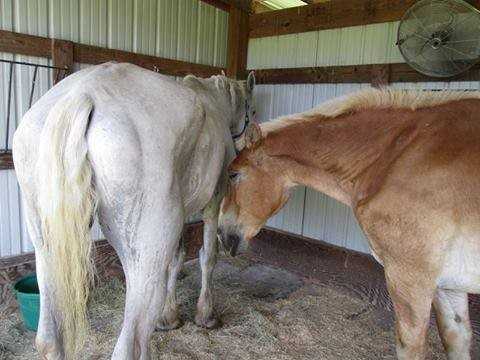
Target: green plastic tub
28, 298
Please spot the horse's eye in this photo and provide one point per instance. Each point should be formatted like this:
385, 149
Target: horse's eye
233, 175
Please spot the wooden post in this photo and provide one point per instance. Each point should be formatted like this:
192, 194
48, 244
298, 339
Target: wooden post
237, 43
62, 56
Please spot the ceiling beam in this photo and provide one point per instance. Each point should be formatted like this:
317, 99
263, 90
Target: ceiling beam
327, 15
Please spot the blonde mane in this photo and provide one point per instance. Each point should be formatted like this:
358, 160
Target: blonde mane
372, 98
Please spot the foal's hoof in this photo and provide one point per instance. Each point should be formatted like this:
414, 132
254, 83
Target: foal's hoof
164, 325
209, 322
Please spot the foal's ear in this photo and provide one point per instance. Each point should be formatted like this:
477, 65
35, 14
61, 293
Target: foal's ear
253, 134
250, 81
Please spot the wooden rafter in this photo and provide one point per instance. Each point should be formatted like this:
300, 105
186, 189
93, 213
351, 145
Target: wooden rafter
327, 15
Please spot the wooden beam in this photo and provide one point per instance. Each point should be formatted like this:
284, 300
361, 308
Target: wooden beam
62, 56
375, 74
237, 43
327, 15
89, 54
23, 44
6, 161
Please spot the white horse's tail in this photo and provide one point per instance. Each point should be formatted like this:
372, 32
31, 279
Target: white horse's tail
66, 203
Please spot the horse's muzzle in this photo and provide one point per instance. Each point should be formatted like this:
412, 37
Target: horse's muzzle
230, 241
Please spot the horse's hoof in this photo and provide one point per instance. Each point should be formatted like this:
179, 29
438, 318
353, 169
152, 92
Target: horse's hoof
164, 325
210, 322
48, 350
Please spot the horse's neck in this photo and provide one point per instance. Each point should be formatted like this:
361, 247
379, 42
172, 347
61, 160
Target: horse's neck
341, 157
214, 101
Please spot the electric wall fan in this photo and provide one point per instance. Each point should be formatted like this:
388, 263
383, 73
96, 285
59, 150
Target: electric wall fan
440, 38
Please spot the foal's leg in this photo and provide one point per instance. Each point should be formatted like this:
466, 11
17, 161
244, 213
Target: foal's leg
169, 319
412, 299
48, 340
453, 323
206, 316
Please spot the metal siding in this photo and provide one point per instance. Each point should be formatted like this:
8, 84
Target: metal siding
354, 45
289, 99
178, 29
221, 38
187, 28
328, 49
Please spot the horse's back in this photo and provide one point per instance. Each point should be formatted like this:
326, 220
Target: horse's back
131, 106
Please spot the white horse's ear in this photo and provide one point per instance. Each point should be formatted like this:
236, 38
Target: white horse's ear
223, 73
192, 81
253, 134
251, 81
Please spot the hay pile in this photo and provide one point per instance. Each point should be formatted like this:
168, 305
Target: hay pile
267, 313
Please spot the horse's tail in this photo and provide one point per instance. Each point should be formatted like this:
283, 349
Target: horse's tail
66, 206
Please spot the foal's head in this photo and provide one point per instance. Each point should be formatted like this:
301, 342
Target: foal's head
258, 189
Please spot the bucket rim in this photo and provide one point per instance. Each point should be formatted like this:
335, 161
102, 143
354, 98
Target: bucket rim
24, 294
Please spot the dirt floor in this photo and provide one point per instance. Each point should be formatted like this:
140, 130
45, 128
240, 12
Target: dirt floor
267, 313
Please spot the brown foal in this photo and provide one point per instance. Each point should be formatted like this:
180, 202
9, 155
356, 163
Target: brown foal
408, 163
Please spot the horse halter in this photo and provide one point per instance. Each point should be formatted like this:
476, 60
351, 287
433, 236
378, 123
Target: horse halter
245, 123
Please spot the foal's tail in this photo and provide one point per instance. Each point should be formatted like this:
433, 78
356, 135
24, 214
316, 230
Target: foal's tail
66, 202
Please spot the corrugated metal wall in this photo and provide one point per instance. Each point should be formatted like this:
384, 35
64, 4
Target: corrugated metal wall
308, 212
188, 30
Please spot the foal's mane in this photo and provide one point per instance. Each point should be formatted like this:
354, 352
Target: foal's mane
372, 98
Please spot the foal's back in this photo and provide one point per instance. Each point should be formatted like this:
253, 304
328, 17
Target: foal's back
427, 211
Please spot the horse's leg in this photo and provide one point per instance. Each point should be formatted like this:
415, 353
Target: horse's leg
147, 248
169, 319
48, 340
412, 295
451, 308
206, 316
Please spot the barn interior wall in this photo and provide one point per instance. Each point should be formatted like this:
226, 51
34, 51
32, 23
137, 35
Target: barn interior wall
308, 212
188, 30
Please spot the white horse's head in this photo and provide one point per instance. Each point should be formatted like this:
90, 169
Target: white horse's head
233, 98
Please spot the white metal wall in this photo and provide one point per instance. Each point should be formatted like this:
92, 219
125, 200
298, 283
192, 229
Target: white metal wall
189, 30
308, 212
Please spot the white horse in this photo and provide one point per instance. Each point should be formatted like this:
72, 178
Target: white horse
143, 152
